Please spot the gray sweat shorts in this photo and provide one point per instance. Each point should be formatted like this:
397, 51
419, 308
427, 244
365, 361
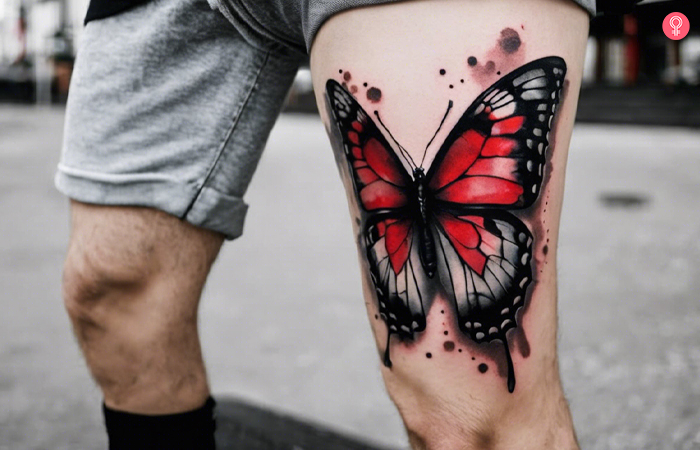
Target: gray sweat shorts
171, 102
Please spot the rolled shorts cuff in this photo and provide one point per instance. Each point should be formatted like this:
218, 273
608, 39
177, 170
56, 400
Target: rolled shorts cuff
203, 207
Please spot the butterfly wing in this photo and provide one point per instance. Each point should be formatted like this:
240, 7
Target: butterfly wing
380, 179
493, 160
383, 189
495, 155
394, 262
485, 268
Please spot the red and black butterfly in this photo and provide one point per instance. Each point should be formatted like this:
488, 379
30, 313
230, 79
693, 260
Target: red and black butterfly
453, 220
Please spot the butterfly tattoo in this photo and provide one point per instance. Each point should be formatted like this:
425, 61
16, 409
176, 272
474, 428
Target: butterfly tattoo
452, 222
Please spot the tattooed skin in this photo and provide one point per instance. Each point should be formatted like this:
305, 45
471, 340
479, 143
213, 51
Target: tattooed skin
450, 227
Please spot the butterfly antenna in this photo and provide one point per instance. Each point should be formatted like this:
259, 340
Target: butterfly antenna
449, 107
511, 370
403, 151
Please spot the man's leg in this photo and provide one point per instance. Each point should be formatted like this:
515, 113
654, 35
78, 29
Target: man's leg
169, 110
458, 242
132, 282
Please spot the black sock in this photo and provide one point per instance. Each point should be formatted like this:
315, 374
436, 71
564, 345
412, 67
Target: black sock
191, 430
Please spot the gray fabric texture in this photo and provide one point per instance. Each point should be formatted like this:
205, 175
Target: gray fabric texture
294, 23
170, 108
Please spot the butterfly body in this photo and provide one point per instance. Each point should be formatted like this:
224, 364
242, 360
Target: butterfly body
454, 219
428, 255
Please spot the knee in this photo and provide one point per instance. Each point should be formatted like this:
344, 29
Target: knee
97, 280
119, 257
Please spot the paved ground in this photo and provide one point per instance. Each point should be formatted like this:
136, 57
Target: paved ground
284, 326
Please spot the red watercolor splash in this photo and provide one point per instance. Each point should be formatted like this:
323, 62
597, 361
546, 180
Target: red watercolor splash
509, 41
507, 54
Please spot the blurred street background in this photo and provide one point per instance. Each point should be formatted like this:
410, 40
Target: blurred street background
296, 355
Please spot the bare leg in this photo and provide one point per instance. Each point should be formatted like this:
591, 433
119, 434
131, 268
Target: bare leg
132, 282
458, 241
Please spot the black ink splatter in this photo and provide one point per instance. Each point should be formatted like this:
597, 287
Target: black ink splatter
428, 355
442, 311
498, 73
545, 249
510, 40
446, 332
340, 71
374, 94
451, 86
472, 61
448, 346
364, 84
376, 316
442, 72
473, 358
483, 368
460, 350
347, 76
462, 80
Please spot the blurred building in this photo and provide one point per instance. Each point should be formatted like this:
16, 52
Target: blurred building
631, 49
37, 47
632, 72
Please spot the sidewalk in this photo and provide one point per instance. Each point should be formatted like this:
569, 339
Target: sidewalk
284, 326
